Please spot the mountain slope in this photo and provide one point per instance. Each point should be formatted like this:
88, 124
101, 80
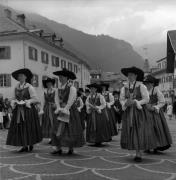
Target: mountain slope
102, 51
155, 51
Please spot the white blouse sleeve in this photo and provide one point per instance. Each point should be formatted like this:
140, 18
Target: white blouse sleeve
33, 95
71, 98
122, 97
56, 99
87, 103
111, 98
161, 100
103, 103
13, 98
42, 101
144, 94
81, 103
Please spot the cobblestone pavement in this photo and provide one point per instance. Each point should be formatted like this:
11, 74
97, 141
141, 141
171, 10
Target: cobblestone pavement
88, 163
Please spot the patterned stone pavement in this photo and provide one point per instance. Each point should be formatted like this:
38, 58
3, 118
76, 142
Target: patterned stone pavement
88, 163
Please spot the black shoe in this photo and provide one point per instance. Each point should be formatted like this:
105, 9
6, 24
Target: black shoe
155, 151
147, 151
70, 152
23, 149
98, 144
138, 159
50, 142
57, 152
30, 148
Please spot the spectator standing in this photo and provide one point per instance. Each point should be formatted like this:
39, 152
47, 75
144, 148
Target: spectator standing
1, 111
169, 111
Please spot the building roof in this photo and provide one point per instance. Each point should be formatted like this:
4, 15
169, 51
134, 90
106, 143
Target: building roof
10, 27
160, 60
107, 77
172, 38
95, 71
157, 72
171, 50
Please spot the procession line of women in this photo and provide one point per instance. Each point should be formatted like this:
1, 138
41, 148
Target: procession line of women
144, 126
66, 114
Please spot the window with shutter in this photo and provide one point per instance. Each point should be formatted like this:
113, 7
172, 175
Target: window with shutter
5, 80
5, 52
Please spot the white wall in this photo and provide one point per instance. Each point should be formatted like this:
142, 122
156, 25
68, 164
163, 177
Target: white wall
20, 59
85, 76
41, 69
165, 87
15, 62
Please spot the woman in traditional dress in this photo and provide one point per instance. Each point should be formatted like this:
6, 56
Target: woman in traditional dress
48, 106
86, 94
169, 110
117, 108
154, 107
137, 130
109, 98
174, 108
68, 131
2, 107
24, 129
98, 128
80, 105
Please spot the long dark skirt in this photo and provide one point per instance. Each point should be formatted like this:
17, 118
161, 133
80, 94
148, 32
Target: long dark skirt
118, 117
83, 118
27, 131
48, 119
68, 134
98, 128
112, 121
137, 130
161, 130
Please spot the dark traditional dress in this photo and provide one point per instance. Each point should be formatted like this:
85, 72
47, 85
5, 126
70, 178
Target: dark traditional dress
118, 110
137, 129
68, 133
48, 116
111, 114
174, 108
79, 104
98, 128
6, 117
162, 133
84, 112
1, 111
24, 128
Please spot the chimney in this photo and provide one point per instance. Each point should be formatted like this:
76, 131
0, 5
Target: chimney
8, 13
21, 19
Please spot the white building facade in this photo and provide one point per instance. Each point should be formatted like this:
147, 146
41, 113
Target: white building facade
24, 49
167, 80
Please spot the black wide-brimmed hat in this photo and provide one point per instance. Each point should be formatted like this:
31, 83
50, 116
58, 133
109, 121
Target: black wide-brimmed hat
87, 90
81, 90
45, 81
66, 73
151, 79
24, 71
102, 84
135, 70
116, 92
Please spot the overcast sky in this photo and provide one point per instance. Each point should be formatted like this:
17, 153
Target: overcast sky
136, 21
